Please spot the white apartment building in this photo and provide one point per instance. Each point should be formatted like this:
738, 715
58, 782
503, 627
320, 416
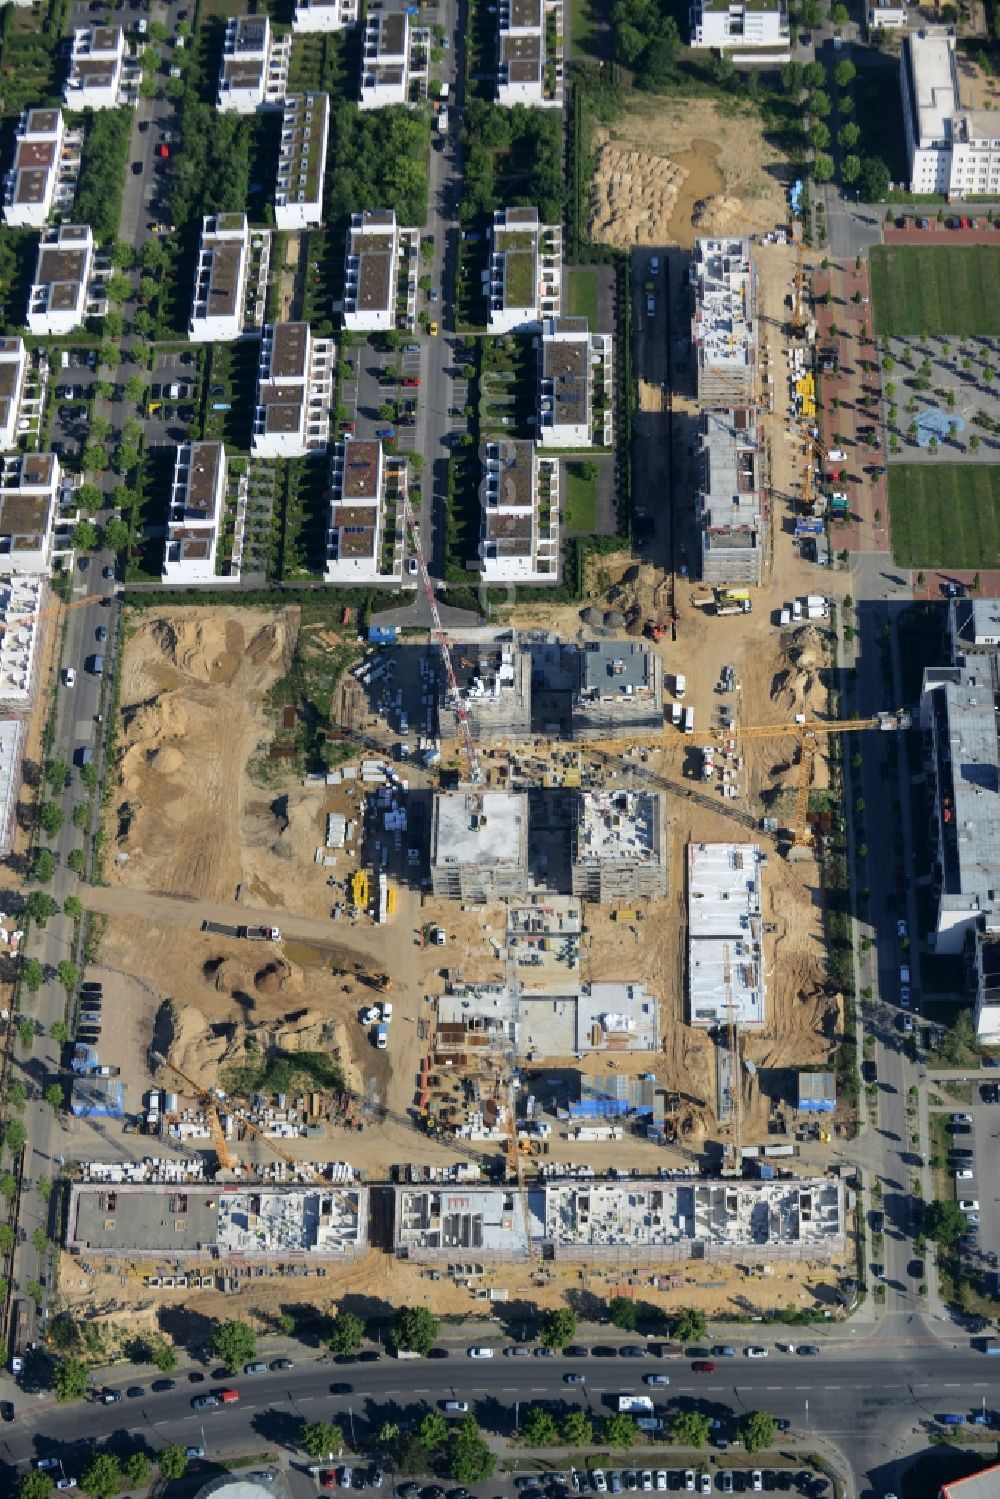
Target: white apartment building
13, 369
305, 131
951, 149
254, 72
378, 253
519, 494
757, 26
385, 59
724, 321
886, 15
96, 76
43, 173
294, 392
357, 512
324, 15
221, 280
525, 275
194, 518
574, 365
530, 53
63, 293
29, 494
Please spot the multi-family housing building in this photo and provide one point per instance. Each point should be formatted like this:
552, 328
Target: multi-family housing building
730, 506
254, 71
576, 383
305, 131
43, 174
525, 273
294, 392
194, 517
724, 321
479, 845
530, 53
13, 369
67, 287
492, 686
617, 688
359, 538
224, 300
759, 27
619, 846
726, 974
519, 494
29, 497
951, 148
385, 59
379, 256
97, 69
324, 15
886, 15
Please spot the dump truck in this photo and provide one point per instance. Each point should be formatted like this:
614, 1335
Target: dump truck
20, 1333
259, 933
733, 606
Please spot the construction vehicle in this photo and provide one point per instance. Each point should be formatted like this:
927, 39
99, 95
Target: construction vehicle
654, 630
733, 608
259, 933
359, 889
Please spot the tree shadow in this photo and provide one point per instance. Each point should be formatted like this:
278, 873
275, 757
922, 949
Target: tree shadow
188, 1329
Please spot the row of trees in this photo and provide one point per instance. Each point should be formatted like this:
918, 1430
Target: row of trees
105, 1474
514, 159
377, 158
102, 172
688, 1428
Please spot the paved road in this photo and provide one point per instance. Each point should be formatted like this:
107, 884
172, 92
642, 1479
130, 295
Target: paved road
867, 1401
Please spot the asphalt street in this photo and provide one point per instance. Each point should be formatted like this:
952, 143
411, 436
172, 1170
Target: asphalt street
867, 1405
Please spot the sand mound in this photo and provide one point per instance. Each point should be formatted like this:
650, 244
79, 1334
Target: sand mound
633, 195
719, 215
200, 1049
279, 977
230, 976
166, 761
214, 649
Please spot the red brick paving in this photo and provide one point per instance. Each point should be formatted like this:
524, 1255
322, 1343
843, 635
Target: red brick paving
937, 234
932, 586
866, 492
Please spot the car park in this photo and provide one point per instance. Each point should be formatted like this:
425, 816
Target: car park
631, 1481
282, 1363
807, 1350
705, 1483
661, 1480
544, 1352
727, 1481
161, 1386
632, 1350
689, 1480
646, 1480
723, 1350
756, 1480
599, 1481
515, 1352
755, 1351
479, 1352
615, 1480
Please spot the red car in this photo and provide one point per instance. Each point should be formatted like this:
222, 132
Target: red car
163, 151
703, 1366
328, 1478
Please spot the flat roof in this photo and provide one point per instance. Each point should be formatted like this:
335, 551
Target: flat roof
615, 669
969, 775
613, 1016
290, 351
361, 470
374, 254
224, 278
187, 1219
11, 732
983, 1485
514, 464
724, 302
934, 79
566, 364
203, 461
459, 1218
730, 457
480, 827
725, 956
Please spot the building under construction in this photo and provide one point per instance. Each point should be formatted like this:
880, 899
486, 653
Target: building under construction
725, 958
619, 848
494, 686
457, 1222
724, 321
479, 845
730, 506
619, 688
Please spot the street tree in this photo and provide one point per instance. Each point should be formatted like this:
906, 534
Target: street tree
8, 1238
15, 1136
32, 973
558, 1327
432, 1431
757, 1430
165, 1357
17, 1094
577, 1429
539, 1427
102, 1477
845, 73
56, 772
85, 536
469, 1459
623, 1313
415, 1329
39, 1240
689, 1325
51, 817
619, 1430
347, 1333
8, 1186
73, 907
173, 1462
43, 866
690, 1428
68, 974
39, 907
944, 1222
76, 859
321, 1438
235, 1342
116, 534
136, 1469
850, 169
54, 1097
69, 1379
822, 167
35, 1485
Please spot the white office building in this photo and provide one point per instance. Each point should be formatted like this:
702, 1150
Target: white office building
385, 59
952, 149
254, 72
219, 313
519, 542
305, 130
44, 170
324, 15
197, 497
379, 253
29, 495
294, 392
530, 53
525, 274
759, 27
66, 289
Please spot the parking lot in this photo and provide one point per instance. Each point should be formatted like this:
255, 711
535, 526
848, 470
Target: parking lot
698, 1478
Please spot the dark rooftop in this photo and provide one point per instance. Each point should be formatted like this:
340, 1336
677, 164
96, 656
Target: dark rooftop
360, 470
202, 476
288, 356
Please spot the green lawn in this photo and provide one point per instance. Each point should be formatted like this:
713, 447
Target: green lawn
580, 509
583, 295
583, 28
935, 290
945, 515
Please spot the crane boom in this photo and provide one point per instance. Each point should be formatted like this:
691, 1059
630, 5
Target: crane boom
441, 638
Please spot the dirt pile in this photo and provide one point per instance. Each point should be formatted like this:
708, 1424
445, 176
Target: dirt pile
718, 215
633, 196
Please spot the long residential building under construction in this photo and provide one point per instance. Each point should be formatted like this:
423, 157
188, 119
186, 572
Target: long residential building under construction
724, 321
